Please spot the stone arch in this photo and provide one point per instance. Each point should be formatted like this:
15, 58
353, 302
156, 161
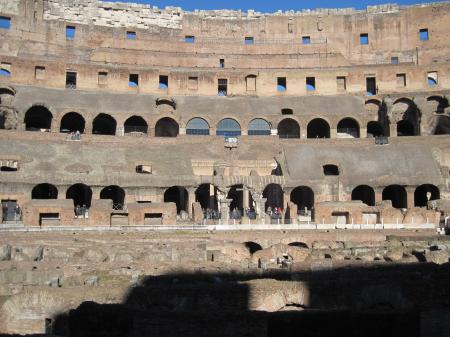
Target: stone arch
206, 195
318, 128
348, 128
439, 104
104, 124
407, 116
7, 95
298, 244
274, 195
375, 129
81, 194
167, 127
252, 247
397, 195
288, 128
44, 191
259, 127
72, 122
177, 195
364, 193
197, 126
37, 118
425, 193
236, 194
228, 127
303, 197
135, 124
114, 193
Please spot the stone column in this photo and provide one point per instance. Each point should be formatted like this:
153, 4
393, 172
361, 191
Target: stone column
410, 197
333, 133
393, 129
363, 133
260, 208
182, 131
224, 206
190, 201
245, 197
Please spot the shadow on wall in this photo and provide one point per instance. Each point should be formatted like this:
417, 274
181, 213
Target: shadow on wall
378, 301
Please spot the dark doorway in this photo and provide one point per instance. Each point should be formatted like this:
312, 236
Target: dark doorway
166, 127
206, 195
348, 127
425, 193
405, 128
274, 195
303, 197
397, 194
288, 128
38, 118
116, 194
44, 191
374, 129
104, 124
318, 128
364, 193
236, 194
135, 124
81, 195
72, 122
178, 195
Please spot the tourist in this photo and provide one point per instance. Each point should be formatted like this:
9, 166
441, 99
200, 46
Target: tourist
17, 213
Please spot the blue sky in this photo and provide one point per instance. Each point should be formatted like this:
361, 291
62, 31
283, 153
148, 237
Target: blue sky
269, 5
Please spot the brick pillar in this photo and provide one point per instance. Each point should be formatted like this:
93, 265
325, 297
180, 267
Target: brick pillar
410, 197
363, 133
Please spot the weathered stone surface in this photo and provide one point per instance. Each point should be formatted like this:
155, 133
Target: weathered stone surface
5, 252
438, 257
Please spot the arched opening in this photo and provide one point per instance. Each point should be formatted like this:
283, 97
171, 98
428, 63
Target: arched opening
348, 128
288, 128
178, 195
303, 197
298, 244
104, 124
438, 104
166, 127
318, 128
135, 125
44, 191
397, 195
374, 129
72, 122
206, 195
228, 127
274, 195
116, 194
425, 193
259, 127
364, 193
197, 127
80, 194
38, 118
238, 201
252, 247
442, 125
405, 128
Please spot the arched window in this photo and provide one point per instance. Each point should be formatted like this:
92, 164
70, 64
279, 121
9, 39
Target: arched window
166, 127
228, 127
259, 127
318, 128
197, 126
38, 118
44, 191
348, 128
425, 193
81, 195
364, 193
397, 195
374, 129
178, 195
116, 194
288, 128
104, 124
72, 122
135, 124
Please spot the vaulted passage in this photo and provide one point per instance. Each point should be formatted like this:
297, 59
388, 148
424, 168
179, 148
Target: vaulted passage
72, 122
116, 194
44, 191
374, 129
318, 128
405, 128
38, 118
81, 195
303, 197
206, 195
135, 124
104, 124
397, 194
274, 195
166, 127
348, 128
178, 195
364, 193
288, 128
425, 193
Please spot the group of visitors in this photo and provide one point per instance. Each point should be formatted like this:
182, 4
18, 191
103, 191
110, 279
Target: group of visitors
248, 212
211, 214
274, 213
75, 135
6, 210
81, 212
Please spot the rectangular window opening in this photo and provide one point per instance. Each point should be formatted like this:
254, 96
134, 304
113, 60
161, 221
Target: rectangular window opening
341, 83
251, 83
401, 80
310, 83
306, 39
131, 35
102, 77
371, 86
432, 78
193, 83
163, 82
290, 27
71, 80
70, 32
281, 84
249, 40
5, 22
146, 169
364, 39
133, 80
394, 60
189, 39
222, 87
222, 63
423, 34
39, 73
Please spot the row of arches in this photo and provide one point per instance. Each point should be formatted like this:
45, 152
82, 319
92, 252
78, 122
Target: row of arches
206, 195
39, 117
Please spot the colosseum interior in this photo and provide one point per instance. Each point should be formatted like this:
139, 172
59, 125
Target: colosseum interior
222, 173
